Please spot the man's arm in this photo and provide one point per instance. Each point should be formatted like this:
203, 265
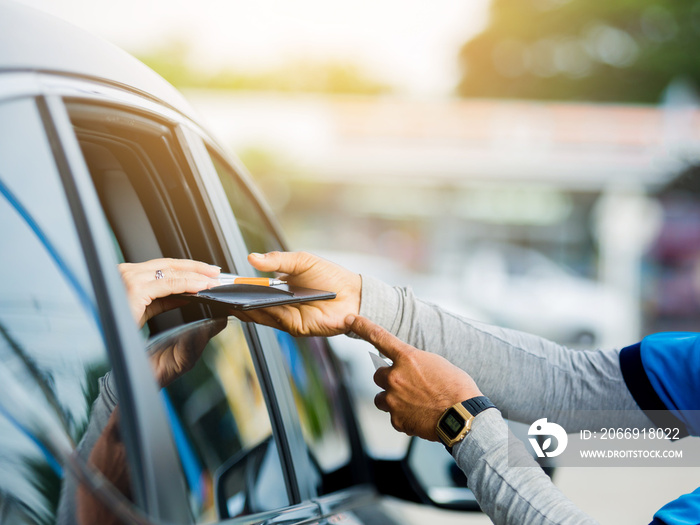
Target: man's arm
509, 486
523, 374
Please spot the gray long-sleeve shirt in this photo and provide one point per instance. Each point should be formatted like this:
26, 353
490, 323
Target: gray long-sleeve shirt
526, 377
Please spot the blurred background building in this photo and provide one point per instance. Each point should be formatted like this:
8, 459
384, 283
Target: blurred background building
529, 162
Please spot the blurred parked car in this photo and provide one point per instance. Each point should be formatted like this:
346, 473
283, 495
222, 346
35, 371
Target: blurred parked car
521, 288
101, 161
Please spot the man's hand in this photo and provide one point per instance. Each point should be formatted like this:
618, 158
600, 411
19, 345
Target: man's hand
148, 295
319, 318
418, 387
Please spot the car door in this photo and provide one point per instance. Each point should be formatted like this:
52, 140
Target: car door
70, 352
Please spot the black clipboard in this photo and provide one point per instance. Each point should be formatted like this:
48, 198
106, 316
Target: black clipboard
251, 296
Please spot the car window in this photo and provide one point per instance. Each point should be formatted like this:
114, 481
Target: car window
147, 192
56, 394
216, 407
309, 365
220, 421
144, 184
316, 390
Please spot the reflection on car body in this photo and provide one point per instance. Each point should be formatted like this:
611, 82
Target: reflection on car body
221, 416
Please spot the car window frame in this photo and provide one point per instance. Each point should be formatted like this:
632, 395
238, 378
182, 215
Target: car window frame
212, 246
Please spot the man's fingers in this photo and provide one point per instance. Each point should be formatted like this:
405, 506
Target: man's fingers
274, 316
285, 318
291, 263
380, 402
388, 344
242, 316
381, 377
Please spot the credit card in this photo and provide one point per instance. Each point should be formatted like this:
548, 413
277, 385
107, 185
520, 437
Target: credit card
379, 361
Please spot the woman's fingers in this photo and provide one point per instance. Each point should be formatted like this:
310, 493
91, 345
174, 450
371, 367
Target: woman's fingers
186, 265
163, 269
158, 278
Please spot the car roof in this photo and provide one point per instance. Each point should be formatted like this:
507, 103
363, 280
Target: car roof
31, 40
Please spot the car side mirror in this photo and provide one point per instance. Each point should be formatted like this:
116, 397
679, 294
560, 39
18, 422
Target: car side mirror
427, 474
248, 482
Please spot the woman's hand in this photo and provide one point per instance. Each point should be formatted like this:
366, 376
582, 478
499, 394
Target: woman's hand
320, 318
149, 284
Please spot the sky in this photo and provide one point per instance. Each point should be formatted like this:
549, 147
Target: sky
409, 44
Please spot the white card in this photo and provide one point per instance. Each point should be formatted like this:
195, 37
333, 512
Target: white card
379, 361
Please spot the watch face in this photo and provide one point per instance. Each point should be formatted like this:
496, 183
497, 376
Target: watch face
452, 423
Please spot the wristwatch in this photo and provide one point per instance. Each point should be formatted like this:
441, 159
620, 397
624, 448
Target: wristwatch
456, 422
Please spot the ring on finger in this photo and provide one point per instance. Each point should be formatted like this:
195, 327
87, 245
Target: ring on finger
159, 274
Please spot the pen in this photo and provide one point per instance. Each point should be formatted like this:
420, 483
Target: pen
229, 278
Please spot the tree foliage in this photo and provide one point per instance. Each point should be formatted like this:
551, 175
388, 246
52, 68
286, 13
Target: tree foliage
599, 50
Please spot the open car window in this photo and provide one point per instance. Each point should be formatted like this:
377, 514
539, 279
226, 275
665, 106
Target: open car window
144, 183
211, 390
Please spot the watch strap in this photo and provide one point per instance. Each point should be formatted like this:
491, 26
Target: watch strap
477, 404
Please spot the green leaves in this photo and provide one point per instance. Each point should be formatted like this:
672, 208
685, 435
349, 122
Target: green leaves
611, 51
